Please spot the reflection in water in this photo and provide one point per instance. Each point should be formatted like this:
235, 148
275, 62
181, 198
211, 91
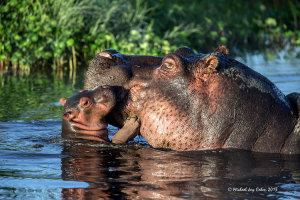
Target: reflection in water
85, 164
145, 173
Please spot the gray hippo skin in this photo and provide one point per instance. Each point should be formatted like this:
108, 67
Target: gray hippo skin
209, 101
108, 73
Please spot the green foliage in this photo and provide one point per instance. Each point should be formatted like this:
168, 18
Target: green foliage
38, 32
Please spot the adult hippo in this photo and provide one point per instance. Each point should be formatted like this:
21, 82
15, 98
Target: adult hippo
209, 101
84, 113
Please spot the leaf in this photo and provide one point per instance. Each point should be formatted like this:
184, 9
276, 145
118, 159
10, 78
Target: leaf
223, 40
271, 21
2, 57
70, 42
17, 37
213, 34
34, 37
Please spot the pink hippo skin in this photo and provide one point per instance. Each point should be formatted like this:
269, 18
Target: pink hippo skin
208, 101
104, 97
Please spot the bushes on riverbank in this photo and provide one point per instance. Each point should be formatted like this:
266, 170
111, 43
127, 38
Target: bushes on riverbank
61, 33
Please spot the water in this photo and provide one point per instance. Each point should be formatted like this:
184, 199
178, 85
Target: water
36, 163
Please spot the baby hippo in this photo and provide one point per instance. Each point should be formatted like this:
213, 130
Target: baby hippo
85, 108
88, 110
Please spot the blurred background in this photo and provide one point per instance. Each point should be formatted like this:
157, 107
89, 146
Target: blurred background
45, 45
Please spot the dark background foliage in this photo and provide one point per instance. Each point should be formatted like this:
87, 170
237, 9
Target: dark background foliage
57, 33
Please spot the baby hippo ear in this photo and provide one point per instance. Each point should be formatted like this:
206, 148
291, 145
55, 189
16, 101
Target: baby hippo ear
221, 50
63, 101
211, 64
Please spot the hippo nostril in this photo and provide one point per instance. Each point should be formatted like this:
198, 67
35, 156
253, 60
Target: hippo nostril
68, 115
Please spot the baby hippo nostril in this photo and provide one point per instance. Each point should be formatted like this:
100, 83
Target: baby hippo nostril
68, 115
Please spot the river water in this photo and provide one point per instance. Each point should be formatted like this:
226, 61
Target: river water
36, 163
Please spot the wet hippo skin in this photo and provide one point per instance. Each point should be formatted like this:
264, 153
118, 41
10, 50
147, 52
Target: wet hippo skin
108, 73
210, 101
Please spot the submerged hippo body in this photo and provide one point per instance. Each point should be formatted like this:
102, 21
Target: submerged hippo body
209, 101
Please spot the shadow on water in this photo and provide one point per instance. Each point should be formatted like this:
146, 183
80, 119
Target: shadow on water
36, 163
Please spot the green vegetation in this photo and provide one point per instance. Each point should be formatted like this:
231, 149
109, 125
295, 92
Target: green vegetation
63, 33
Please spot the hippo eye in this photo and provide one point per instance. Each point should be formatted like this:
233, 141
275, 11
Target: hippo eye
86, 103
167, 66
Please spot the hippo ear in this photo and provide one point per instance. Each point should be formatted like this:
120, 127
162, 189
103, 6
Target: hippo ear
221, 50
63, 101
105, 54
211, 63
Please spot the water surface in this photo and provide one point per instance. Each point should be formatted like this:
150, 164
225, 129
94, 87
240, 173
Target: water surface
36, 163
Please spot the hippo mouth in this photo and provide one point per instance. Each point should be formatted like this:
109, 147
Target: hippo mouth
99, 130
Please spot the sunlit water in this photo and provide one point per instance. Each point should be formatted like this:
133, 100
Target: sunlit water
36, 163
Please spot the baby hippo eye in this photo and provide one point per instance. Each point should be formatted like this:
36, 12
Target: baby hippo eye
85, 102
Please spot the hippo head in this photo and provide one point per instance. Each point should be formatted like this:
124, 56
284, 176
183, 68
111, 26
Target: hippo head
86, 111
188, 79
210, 101
112, 68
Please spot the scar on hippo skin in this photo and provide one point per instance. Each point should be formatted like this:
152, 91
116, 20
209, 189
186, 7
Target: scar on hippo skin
106, 55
